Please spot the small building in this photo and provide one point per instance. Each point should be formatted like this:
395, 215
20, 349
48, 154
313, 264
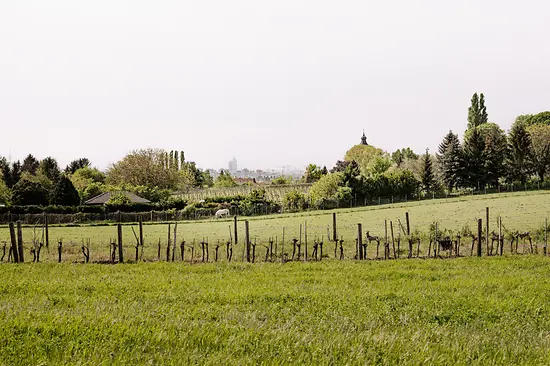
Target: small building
105, 197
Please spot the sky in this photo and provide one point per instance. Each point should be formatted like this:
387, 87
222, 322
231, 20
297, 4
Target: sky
273, 83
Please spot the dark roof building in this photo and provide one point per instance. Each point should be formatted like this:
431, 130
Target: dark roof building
105, 197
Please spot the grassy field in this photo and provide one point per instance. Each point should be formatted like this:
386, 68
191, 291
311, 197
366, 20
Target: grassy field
466, 311
520, 211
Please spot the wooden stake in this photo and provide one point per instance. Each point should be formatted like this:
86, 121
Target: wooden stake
359, 248
247, 240
168, 244
235, 228
487, 231
500, 239
14, 249
175, 241
334, 234
283, 247
305, 240
479, 232
120, 251
47, 231
20, 242
393, 240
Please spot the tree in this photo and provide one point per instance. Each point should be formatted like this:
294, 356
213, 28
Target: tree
26, 192
380, 165
281, 180
64, 193
224, 180
540, 149
77, 164
519, 147
5, 193
473, 173
340, 166
49, 168
400, 156
30, 165
364, 155
542, 118
428, 178
145, 167
494, 153
450, 160
207, 179
326, 187
477, 112
312, 174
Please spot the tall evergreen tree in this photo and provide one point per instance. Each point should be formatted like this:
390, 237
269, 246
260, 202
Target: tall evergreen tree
450, 160
64, 193
428, 178
30, 164
77, 164
519, 145
49, 168
473, 173
494, 155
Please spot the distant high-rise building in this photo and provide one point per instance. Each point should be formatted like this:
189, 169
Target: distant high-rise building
233, 165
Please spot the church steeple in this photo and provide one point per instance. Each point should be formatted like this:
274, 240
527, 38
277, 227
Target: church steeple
364, 139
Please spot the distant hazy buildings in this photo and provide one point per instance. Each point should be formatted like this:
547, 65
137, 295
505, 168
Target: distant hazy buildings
233, 165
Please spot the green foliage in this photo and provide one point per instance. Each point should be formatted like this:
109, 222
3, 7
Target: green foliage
224, 180
64, 193
519, 147
450, 160
379, 165
10, 175
344, 195
26, 192
326, 187
281, 180
340, 166
5, 193
295, 201
207, 180
428, 179
92, 190
146, 167
474, 160
49, 168
542, 118
540, 148
30, 165
400, 156
364, 155
477, 112
312, 174
118, 199
76, 165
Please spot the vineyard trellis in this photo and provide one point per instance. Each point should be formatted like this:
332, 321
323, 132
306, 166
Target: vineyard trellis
438, 243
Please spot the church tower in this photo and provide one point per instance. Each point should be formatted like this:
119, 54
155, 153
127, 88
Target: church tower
364, 139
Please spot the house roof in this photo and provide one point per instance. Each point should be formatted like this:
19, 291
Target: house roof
104, 198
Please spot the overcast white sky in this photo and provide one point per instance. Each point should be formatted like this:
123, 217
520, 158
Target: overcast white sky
284, 82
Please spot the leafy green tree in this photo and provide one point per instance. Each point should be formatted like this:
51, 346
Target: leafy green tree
474, 160
5, 193
77, 164
312, 174
340, 166
400, 156
146, 167
450, 160
30, 165
364, 155
118, 199
380, 165
92, 190
326, 187
26, 192
344, 194
207, 179
49, 168
428, 178
477, 112
224, 180
519, 148
64, 193
540, 149
494, 154
294, 201
542, 118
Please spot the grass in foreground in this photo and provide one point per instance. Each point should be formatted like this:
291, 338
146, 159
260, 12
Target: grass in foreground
463, 311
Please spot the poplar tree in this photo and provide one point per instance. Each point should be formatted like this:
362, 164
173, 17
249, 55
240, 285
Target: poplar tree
477, 112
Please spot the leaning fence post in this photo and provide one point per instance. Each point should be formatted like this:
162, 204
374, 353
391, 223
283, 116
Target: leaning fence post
14, 249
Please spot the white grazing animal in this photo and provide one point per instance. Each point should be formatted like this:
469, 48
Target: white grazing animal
222, 213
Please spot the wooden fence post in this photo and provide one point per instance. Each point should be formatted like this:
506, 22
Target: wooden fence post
393, 240
487, 231
46, 230
140, 231
359, 241
334, 233
479, 233
235, 229
500, 239
409, 234
120, 251
305, 240
247, 240
14, 249
168, 244
20, 242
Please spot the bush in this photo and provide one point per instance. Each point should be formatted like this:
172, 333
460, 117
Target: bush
26, 192
295, 201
